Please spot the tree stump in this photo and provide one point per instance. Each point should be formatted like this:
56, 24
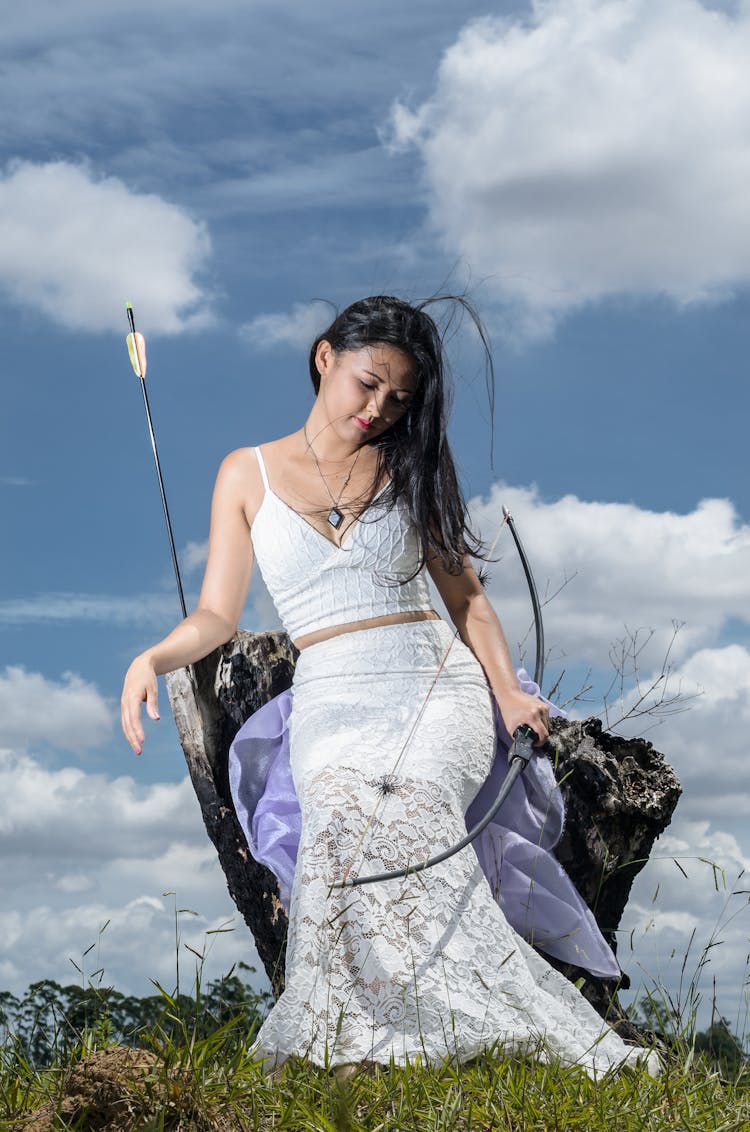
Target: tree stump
210, 703
619, 794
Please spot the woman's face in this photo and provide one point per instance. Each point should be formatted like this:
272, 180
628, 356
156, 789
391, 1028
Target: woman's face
364, 391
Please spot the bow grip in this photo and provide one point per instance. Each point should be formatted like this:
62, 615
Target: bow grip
524, 738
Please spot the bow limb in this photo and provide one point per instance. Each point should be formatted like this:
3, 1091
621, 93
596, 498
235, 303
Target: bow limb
520, 752
535, 603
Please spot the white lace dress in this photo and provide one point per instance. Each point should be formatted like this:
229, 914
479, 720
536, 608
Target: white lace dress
426, 965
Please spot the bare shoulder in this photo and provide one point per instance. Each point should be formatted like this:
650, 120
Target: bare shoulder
281, 449
240, 475
239, 482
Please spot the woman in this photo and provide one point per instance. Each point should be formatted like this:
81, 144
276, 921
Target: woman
391, 734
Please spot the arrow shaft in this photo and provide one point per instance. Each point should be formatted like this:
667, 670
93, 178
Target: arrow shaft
163, 494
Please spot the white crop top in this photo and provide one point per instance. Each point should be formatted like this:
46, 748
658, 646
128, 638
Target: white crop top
316, 584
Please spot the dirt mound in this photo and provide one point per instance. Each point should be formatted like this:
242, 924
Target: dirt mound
103, 1091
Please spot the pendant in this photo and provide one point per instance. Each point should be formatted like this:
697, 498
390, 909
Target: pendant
335, 518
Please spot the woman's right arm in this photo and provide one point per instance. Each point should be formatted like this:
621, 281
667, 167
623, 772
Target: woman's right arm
222, 599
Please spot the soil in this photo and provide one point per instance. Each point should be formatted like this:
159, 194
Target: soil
103, 1091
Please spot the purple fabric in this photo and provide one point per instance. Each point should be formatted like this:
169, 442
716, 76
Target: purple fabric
260, 779
535, 893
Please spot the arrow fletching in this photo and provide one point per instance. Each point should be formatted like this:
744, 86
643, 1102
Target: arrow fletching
136, 354
136, 344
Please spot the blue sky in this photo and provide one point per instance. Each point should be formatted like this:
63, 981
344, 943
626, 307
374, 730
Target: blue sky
579, 167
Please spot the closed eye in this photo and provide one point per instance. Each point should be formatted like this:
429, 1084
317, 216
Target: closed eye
402, 403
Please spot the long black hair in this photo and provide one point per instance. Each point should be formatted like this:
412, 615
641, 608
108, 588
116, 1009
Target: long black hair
414, 451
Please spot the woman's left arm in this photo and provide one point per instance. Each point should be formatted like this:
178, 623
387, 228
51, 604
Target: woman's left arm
479, 628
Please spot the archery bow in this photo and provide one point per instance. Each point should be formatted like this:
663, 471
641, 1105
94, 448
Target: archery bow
521, 751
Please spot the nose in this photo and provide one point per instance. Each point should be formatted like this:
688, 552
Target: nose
373, 406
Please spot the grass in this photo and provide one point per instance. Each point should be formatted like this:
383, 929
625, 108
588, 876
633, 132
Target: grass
213, 1084
181, 1077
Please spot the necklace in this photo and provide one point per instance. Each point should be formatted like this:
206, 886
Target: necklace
335, 517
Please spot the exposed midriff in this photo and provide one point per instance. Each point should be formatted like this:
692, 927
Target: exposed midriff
369, 623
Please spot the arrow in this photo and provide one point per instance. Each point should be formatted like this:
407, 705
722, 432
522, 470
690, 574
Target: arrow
137, 350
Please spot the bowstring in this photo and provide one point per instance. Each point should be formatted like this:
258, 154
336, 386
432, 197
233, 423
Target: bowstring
399, 757
381, 800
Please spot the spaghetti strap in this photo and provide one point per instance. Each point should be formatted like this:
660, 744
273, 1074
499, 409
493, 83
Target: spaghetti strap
262, 466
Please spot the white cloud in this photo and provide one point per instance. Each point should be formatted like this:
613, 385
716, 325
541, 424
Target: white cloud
193, 556
707, 744
297, 328
155, 609
595, 148
76, 247
135, 937
16, 481
259, 613
169, 92
347, 180
703, 896
37, 804
88, 849
724, 675
85, 848
75, 882
627, 567
71, 715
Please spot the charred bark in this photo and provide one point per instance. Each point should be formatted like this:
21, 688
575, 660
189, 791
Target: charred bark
619, 795
210, 703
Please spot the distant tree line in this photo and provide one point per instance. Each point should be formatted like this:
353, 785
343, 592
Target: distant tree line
722, 1048
51, 1020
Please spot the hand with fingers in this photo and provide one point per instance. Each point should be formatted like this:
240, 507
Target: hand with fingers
517, 708
140, 684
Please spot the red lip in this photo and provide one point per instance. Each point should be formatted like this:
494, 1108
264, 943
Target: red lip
364, 425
